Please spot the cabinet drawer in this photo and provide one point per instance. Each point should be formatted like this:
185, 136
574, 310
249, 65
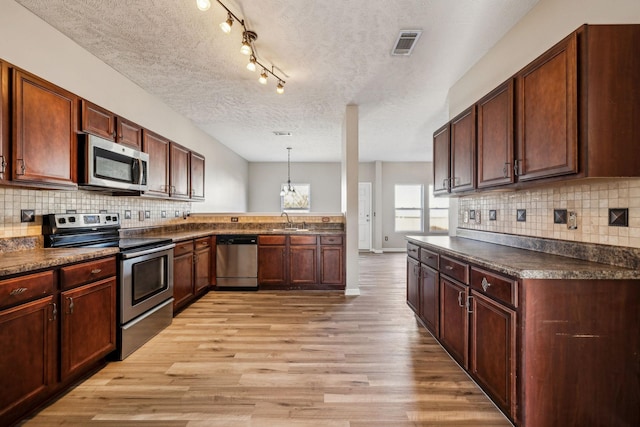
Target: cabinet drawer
25, 288
429, 258
303, 240
330, 240
86, 272
272, 240
454, 269
183, 248
413, 251
203, 242
501, 288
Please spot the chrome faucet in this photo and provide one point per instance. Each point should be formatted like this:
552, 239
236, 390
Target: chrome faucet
289, 223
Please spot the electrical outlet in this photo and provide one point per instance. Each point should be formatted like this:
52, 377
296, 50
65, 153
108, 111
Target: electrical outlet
234, 219
140, 215
493, 215
127, 214
177, 214
386, 238
472, 214
477, 217
147, 214
163, 214
572, 221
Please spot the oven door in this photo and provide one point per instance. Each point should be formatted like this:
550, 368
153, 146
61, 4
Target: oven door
146, 280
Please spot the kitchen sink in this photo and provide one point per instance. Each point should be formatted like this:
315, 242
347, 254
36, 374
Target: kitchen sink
288, 230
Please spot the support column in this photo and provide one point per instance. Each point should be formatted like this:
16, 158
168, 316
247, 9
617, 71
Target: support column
350, 197
377, 235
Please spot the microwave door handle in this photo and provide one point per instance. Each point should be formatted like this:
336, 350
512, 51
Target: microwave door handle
140, 174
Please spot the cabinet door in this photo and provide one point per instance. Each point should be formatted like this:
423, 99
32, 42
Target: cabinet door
179, 167
203, 265
429, 301
495, 137
413, 285
303, 262
331, 264
182, 279
272, 267
454, 320
4, 123
493, 350
97, 121
547, 114
441, 161
88, 325
157, 148
128, 133
28, 356
197, 176
45, 119
463, 151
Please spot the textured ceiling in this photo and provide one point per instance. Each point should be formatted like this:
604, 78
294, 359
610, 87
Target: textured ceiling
334, 53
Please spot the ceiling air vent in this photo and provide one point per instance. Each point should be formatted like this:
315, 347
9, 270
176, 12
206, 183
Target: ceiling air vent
406, 41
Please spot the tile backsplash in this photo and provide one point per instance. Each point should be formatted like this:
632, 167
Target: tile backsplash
590, 200
12, 200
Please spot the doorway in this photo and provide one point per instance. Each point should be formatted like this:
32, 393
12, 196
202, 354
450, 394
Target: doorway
364, 216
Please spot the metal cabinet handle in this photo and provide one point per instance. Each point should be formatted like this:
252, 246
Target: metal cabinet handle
22, 167
460, 299
517, 167
485, 284
505, 170
54, 312
18, 291
96, 270
3, 164
468, 304
71, 305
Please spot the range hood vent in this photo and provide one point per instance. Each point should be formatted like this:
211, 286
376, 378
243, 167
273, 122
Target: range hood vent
405, 42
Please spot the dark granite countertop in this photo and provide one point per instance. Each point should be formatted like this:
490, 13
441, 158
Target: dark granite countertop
178, 236
37, 259
522, 263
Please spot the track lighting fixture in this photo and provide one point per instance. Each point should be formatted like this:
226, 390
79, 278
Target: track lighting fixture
247, 48
263, 77
288, 188
251, 66
203, 5
226, 25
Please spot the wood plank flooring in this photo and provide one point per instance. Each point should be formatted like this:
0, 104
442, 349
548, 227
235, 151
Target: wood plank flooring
286, 359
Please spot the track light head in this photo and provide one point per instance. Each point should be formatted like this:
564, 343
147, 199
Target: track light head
203, 5
263, 77
248, 37
226, 25
280, 88
251, 66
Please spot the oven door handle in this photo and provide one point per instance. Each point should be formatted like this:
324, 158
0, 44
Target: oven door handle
130, 255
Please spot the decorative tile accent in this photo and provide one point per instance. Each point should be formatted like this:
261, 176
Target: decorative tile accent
521, 215
559, 216
619, 217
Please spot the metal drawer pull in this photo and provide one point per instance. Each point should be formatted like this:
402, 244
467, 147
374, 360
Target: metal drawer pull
485, 284
413, 250
96, 270
448, 267
18, 291
460, 299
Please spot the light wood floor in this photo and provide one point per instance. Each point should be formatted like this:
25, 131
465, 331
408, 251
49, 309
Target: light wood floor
286, 359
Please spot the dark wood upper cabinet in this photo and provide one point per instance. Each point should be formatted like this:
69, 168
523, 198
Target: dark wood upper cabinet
180, 171
157, 147
197, 176
5, 160
548, 114
101, 122
128, 133
495, 137
441, 160
463, 151
44, 138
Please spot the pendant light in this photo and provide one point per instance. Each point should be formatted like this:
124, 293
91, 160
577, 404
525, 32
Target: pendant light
288, 189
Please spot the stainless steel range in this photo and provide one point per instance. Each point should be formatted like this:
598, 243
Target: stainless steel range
145, 272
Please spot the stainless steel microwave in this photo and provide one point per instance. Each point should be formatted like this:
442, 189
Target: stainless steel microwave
105, 165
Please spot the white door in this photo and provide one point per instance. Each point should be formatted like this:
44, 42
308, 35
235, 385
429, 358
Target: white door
364, 216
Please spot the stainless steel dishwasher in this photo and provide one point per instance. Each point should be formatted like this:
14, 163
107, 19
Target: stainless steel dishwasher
237, 262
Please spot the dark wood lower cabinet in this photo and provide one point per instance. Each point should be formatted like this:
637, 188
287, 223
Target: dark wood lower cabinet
192, 270
454, 320
492, 360
430, 299
548, 352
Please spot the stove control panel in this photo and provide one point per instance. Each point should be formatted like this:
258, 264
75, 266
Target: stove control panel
80, 220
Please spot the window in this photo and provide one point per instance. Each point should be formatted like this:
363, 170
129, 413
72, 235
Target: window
297, 201
409, 207
438, 213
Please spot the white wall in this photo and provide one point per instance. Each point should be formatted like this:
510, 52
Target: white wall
546, 24
265, 179
29, 43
